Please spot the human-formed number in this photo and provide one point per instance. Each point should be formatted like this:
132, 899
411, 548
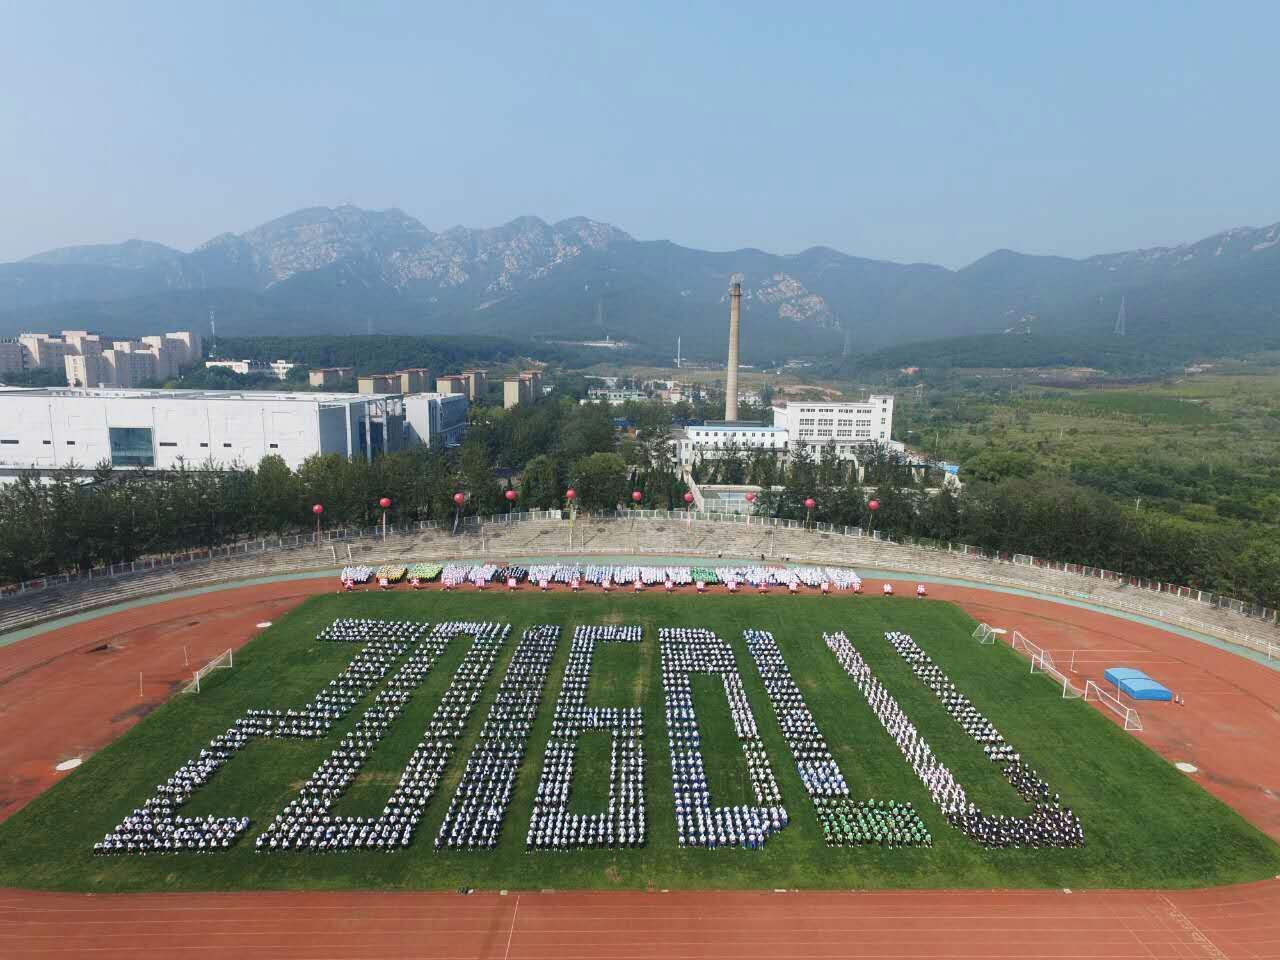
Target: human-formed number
552, 826
306, 823
158, 826
687, 651
479, 806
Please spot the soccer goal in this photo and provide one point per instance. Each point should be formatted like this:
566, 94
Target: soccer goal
1042, 662
984, 634
1113, 703
223, 661
1034, 651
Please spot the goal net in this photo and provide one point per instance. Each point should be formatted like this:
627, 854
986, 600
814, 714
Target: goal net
984, 634
1042, 662
1113, 703
223, 661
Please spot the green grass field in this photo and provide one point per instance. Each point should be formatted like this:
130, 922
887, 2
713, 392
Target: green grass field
1145, 824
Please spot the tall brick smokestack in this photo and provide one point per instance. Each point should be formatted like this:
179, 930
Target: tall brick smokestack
731, 381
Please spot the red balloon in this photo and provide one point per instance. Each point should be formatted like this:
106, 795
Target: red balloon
873, 506
688, 498
810, 503
510, 495
636, 495
317, 509
751, 498
384, 502
459, 498
571, 494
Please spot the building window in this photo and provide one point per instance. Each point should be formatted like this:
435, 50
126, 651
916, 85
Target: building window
132, 447
71, 443
168, 443
227, 445
204, 444
274, 446
10, 442
47, 443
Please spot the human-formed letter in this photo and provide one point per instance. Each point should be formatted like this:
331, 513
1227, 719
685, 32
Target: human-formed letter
844, 821
1048, 825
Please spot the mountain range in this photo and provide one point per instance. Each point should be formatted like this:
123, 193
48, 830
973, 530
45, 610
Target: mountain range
350, 270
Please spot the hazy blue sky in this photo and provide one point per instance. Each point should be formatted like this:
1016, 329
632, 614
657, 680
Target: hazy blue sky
935, 133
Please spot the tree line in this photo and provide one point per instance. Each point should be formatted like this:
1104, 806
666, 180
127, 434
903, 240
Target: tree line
61, 522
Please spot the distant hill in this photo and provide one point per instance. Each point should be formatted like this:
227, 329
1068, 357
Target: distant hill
130, 255
349, 270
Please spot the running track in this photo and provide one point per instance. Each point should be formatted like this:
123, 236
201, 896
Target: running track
1228, 728
1241, 922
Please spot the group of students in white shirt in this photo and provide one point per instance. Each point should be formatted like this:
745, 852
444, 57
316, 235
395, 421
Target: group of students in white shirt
479, 805
685, 651
845, 822
1049, 824
155, 827
623, 822
307, 822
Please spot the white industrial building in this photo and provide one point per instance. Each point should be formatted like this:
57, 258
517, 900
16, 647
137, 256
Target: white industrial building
435, 419
57, 427
276, 368
613, 396
850, 427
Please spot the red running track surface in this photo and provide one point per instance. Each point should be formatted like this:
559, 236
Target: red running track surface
1242, 923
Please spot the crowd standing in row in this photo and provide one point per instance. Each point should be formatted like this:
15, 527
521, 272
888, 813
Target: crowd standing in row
155, 827
479, 806
686, 651
622, 824
760, 576
357, 573
844, 822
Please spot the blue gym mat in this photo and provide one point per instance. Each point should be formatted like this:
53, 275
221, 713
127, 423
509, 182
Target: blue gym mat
1137, 684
